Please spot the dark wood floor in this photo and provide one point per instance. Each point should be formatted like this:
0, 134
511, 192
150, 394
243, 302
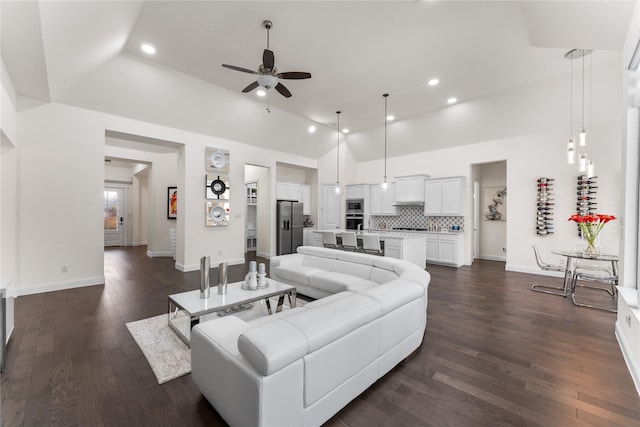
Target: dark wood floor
495, 354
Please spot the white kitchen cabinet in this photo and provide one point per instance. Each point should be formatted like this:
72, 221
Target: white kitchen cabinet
307, 237
357, 191
444, 196
393, 248
288, 191
410, 188
382, 201
445, 248
305, 193
433, 197
316, 239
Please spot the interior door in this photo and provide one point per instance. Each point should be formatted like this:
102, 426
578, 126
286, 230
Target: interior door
113, 205
330, 207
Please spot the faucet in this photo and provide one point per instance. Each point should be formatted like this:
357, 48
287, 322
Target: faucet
360, 227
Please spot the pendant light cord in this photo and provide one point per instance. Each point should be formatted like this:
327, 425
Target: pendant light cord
571, 100
385, 136
583, 92
338, 149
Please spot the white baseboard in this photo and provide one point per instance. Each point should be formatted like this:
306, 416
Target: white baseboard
60, 286
263, 255
493, 258
196, 267
634, 369
158, 254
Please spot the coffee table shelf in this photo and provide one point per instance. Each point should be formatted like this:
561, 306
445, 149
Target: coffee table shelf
186, 308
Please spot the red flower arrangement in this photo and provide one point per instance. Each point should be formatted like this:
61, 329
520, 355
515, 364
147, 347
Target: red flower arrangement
591, 226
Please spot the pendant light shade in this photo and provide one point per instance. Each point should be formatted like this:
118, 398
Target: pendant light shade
583, 163
385, 184
338, 155
591, 168
571, 151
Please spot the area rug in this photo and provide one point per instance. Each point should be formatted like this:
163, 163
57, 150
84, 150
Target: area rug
167, 355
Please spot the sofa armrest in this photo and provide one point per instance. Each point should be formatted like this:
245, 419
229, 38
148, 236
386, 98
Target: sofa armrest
286, 260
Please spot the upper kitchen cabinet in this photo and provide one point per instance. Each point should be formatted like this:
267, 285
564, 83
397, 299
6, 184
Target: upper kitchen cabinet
444, 196
288, 191
357, 191
382, 200
305, 193
410, 190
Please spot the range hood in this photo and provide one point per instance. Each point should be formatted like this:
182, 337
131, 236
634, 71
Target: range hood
409, 203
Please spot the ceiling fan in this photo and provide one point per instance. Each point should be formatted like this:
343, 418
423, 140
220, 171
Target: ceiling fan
267, 73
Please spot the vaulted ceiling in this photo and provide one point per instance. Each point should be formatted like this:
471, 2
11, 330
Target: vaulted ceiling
355, 50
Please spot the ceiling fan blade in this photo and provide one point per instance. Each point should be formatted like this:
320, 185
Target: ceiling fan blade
283, 90
244, 70
294, 75
251, 87
268, 59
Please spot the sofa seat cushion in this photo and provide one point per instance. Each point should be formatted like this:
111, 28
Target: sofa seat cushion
297, 273
332, 281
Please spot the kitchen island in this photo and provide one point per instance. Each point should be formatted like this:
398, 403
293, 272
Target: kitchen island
407, 246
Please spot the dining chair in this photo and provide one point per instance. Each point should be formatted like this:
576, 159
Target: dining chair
329, 240
371, 244
606, 273
349, 241
549, 267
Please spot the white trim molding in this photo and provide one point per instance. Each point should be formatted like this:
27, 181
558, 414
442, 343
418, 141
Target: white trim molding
60, 286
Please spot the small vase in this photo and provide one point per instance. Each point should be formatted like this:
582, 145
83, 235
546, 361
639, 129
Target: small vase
591, 249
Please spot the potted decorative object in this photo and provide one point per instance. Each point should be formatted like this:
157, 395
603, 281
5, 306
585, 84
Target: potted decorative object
591, 225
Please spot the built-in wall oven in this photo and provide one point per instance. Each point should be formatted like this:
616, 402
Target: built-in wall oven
355, 207
354, 214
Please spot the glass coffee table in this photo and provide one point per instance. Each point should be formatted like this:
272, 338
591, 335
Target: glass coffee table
186, 308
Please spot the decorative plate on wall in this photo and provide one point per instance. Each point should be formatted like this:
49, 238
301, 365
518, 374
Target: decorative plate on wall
216, 160
217, 187
217, 213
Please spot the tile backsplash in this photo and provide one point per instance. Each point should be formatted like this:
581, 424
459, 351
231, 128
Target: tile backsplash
413, 217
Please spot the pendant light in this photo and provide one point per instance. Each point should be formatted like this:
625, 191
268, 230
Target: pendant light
385, 184
571, 143
338, 156
582, 133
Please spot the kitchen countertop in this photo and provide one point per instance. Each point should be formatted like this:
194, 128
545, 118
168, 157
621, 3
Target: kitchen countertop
378, 230
384, 234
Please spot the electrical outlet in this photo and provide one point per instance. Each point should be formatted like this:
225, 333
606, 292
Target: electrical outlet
504, 249
64, 268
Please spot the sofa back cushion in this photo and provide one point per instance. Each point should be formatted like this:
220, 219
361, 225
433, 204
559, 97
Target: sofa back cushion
381, 275
352, 268
319, 262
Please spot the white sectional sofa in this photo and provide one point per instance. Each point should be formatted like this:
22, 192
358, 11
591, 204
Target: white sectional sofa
301, 366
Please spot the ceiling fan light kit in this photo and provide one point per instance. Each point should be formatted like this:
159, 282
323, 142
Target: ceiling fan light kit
267, 73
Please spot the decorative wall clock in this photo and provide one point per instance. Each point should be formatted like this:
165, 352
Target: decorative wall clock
217, 213
217, 187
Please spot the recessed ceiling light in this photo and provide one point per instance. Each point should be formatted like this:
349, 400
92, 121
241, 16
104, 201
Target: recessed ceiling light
452, 100
345, 130
433, 82
390, 118
147, 48
261, 92
312, 129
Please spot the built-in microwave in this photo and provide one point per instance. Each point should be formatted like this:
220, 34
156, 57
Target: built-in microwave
355, 206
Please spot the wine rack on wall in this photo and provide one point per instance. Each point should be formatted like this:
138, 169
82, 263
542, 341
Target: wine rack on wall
586, 204
545, 203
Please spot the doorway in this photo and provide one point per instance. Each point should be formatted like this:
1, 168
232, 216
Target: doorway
490, 213
114, 208
258, 212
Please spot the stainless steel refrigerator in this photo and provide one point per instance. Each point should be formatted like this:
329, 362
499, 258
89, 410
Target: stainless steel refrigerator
290, 220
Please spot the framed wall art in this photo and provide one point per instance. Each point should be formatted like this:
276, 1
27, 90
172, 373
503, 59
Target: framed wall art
172, 202
495, 203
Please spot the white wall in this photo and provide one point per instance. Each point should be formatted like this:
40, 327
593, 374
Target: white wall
493, 234
528, 156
